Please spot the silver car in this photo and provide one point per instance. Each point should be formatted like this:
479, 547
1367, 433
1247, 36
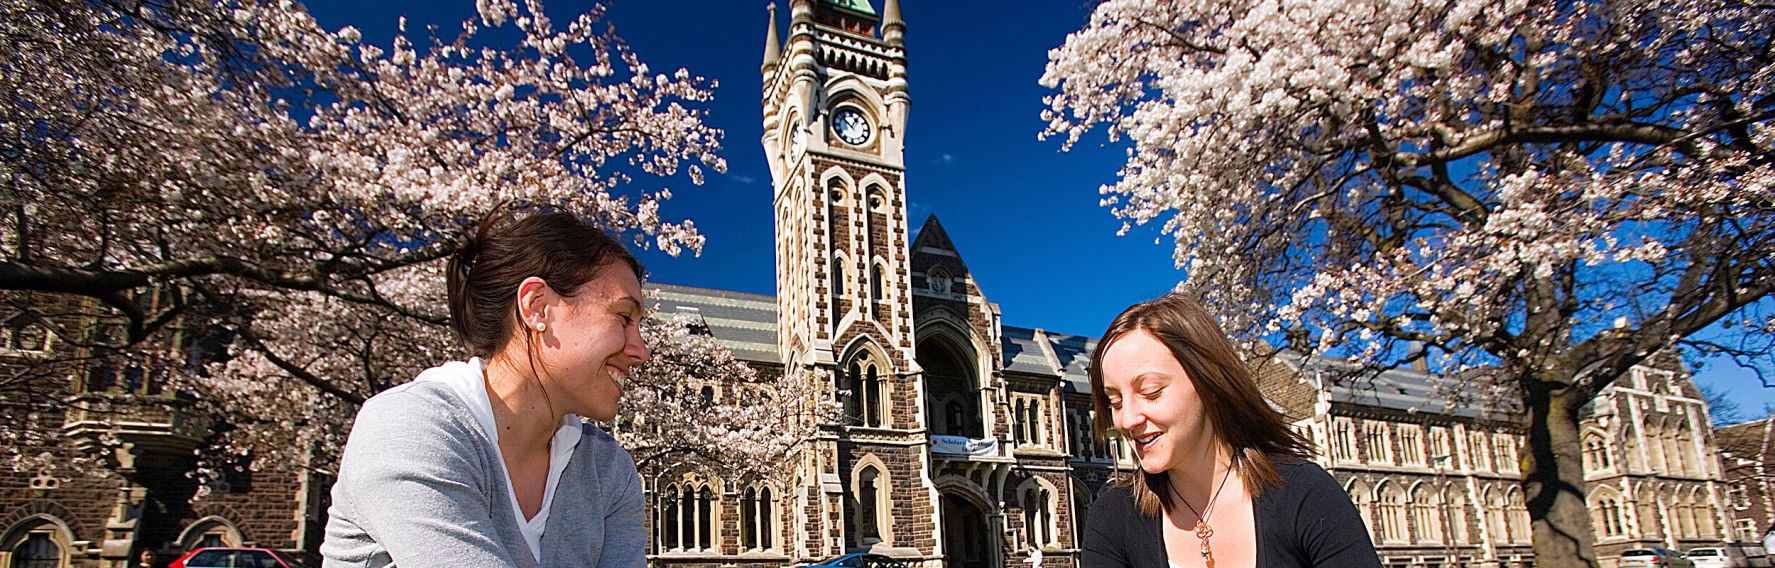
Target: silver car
1658, 557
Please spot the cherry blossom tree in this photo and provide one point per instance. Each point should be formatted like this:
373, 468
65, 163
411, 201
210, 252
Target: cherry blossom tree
751, 422
1550, 193
228, 200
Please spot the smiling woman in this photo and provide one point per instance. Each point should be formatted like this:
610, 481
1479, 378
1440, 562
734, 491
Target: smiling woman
461, 467
1222, 478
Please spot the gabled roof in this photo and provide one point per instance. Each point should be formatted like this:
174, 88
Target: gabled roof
744, 323
932, 235
1050, 354
1074, 352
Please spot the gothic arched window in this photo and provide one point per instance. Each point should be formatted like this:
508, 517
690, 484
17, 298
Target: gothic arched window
705, 519
872, 396
37, 551
1344, 441
875, 285
668, 519
757, 532
1038, 516
868, 504
766, 528
1516, 514
1392, 513
687, 518
837, 283
1364, 500
1424, 514
1022, 413
748, 520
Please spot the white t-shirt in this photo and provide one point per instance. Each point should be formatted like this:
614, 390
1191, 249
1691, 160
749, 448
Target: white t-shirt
467, 380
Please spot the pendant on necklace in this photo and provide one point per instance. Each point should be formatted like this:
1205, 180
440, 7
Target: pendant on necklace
1203, 531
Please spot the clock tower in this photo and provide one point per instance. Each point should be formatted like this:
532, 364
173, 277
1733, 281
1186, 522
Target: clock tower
835, 105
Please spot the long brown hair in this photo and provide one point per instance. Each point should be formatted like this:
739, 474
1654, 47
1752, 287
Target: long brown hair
1256, 435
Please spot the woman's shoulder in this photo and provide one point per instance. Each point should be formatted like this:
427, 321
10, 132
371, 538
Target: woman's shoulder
415, 409
1115, 503
608, 455
1304, 485
1298, 472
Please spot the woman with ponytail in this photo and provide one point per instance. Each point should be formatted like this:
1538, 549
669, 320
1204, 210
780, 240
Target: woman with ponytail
1222, 480
487, 462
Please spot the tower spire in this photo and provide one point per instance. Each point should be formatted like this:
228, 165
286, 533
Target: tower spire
893, 29
773, 49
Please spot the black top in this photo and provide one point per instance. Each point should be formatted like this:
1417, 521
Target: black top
1306, 521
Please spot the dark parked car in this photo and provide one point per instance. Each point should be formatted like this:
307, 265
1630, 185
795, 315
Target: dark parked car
232, 558
860, 560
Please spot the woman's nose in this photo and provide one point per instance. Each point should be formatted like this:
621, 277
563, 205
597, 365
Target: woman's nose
1126, 419
637, 348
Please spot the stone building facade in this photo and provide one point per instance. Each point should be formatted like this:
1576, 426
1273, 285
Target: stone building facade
1745, 453
121, 450
1436, 473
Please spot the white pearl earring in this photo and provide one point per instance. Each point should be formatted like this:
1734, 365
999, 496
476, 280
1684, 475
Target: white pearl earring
541, 326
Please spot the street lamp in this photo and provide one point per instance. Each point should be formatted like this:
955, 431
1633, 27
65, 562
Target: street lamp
1448, 520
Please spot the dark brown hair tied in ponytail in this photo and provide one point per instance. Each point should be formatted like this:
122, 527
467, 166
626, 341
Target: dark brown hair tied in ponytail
483, 275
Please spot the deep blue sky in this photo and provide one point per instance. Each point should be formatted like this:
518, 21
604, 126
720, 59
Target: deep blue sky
1025, 216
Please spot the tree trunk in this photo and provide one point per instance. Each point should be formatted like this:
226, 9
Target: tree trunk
1554, 480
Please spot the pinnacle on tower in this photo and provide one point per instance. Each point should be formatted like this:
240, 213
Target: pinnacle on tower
893, 28
773, 49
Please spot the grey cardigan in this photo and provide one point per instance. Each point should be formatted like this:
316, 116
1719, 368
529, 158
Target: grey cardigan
419, 487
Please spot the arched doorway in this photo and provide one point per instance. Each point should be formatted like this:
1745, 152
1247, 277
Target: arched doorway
967, 540
953, 387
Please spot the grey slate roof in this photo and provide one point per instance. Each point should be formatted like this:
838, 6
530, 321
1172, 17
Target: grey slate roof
1406, 389
1024, 352
1040, 352
1074, 352
744, 323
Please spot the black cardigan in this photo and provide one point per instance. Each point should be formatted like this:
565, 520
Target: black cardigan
1306, 521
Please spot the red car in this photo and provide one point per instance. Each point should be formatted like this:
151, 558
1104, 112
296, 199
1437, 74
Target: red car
232, 558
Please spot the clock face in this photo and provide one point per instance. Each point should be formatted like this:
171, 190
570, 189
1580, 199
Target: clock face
851, 127
797, 138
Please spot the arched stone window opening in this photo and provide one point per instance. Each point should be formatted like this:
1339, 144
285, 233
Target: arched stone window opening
210, 532
705, 519
1424, 515
40, 541
1392, 513
668, 519
1364, 500
757, 514
1344, 443
950, 376
1517, 517
1038, 516
872, 413
869, 505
